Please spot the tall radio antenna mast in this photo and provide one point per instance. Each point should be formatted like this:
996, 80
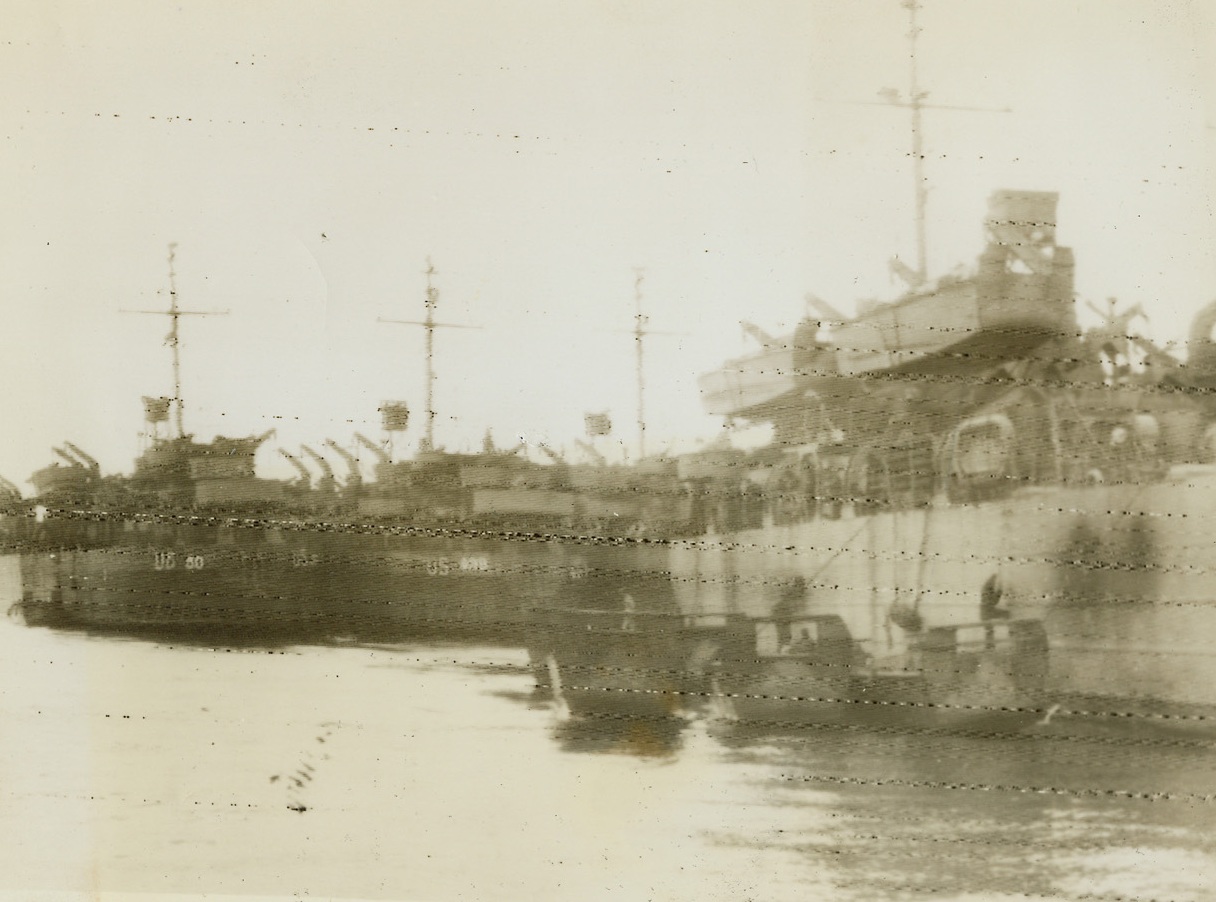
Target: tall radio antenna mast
915, 103
639, 333
175, 314
916, 99
429, 324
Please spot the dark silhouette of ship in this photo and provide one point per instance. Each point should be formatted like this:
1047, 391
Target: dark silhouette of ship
194, 545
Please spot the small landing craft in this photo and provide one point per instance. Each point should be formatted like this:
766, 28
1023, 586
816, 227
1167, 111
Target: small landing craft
971, 515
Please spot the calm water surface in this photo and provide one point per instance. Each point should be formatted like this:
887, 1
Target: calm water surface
129, 768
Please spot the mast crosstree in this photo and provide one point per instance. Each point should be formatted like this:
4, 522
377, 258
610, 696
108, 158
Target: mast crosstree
640, 333
916, 105
430, 325
175, 313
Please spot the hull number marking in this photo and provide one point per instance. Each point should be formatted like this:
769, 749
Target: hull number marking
167, 560
468, 564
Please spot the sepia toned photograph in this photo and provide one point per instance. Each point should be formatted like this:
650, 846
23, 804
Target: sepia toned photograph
608, 450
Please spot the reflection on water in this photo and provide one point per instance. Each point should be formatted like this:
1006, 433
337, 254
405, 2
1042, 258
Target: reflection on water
437, 773
947, 816
643, 737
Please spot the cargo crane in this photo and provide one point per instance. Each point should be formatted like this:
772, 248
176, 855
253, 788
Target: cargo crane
85, 459
591, 450
305, 476
382, 456
76, 479
73, 460
384, 460
550, 453
327, 483
8, 491
354, 478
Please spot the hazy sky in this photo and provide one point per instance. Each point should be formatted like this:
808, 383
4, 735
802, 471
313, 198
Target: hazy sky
308, 157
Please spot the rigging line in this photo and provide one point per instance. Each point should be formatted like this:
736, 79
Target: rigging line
175, 313
430, 325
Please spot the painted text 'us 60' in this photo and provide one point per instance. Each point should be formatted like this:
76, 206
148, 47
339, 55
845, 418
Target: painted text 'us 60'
167, 560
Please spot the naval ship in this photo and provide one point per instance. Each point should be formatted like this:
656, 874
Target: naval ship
194, 545
971, 513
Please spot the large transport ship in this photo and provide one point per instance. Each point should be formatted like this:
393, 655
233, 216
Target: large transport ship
971, 514
193, 544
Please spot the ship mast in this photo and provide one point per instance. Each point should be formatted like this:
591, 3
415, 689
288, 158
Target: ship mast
175, 314
432, 301
430, 325
916, 99
639, 333
916, 104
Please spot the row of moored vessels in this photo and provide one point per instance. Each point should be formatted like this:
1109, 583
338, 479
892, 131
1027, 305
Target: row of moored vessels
971, 514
